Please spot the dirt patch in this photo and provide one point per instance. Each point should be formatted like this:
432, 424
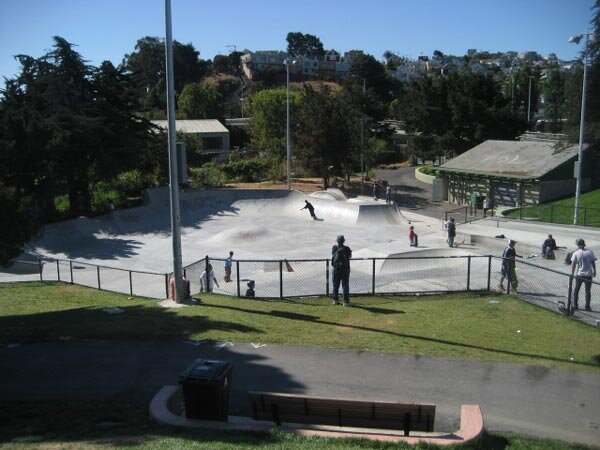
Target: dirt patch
307, 185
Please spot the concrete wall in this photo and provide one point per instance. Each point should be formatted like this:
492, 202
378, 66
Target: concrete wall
552, 190
440, 190
424, 177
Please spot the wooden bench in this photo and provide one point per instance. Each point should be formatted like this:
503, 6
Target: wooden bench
301, 409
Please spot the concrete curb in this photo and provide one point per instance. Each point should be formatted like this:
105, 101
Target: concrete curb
424, 177
167, 401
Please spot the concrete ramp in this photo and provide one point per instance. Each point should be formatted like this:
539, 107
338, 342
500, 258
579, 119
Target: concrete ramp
379, 214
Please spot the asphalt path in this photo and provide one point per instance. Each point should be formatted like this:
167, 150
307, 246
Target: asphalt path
531, 400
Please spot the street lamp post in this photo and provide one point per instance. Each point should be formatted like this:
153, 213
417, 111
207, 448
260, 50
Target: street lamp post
576, 39
362, 142
529, 102
173, 175
287, 122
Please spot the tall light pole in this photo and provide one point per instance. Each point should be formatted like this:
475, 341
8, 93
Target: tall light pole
575, 40
287, 122
362, 141
173, 176
529, 102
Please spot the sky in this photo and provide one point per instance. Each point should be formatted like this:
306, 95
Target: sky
108, 29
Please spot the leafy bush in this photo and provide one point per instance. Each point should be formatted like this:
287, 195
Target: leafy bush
210, 174
428, 170
130, 183
246, 170
62, 204
102, 194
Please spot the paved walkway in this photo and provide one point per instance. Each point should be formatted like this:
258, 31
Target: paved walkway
537, 401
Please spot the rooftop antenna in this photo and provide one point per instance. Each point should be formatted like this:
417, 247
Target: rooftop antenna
231, 46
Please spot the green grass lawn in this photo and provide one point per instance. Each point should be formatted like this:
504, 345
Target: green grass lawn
479, 326
562, 211
484, 326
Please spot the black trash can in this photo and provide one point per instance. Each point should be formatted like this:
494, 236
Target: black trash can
206, 384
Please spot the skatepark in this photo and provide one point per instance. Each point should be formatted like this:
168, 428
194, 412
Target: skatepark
263, 226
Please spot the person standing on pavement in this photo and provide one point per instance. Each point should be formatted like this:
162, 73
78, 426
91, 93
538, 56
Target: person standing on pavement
487, 206
340, 260
451, 229
375, 191
413, 237
388, 194
228, 264
508, 266
584, 261
207, 278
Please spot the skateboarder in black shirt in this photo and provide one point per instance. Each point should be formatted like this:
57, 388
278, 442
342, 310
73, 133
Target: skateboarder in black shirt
311, 209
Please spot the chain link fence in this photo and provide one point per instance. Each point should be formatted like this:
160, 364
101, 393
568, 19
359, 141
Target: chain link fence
132, 282
542, 286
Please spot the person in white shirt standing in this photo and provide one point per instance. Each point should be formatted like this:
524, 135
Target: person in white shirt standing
584, 261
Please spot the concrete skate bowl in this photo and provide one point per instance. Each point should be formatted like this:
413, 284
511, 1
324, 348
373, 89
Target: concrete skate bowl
277, 243
257, 224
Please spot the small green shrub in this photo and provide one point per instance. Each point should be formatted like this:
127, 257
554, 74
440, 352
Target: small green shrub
130, 183
62, 204
102, 194
246, 170
210, 174
428, 170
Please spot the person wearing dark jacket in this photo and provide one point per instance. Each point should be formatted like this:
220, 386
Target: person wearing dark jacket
311, 209
340, 259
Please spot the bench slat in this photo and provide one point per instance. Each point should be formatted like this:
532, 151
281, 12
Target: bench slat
293, 408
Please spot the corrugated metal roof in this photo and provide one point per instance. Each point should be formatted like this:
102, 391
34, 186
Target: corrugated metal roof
522, 159
195, 126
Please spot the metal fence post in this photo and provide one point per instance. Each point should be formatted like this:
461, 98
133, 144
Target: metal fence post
71, 270
327, 278
98, 272
569, 295
130, 284
373, 278
58, 269
468, 273
552, 213
237, 276
584, 216
489, 280
41, 269
167, 284
280, 279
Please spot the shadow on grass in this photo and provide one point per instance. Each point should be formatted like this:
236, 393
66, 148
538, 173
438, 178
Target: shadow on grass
135, 322
111, 423
402, 335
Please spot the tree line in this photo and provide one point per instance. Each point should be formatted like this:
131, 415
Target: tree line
77, 135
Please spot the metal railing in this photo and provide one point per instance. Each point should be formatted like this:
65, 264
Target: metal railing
589, 217
131, 282
280, 278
